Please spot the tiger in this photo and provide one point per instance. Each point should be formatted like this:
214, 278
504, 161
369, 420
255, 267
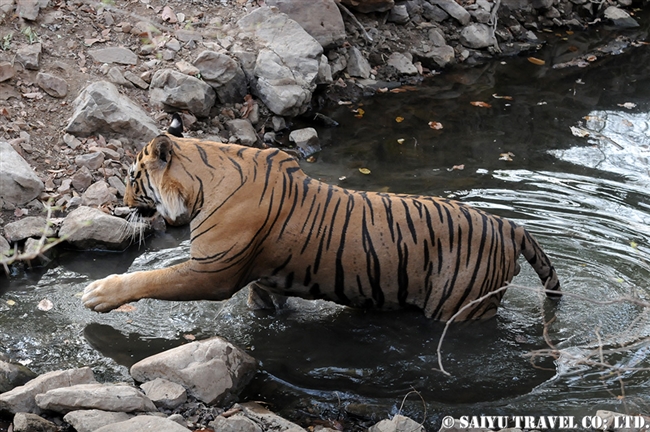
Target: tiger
257, 219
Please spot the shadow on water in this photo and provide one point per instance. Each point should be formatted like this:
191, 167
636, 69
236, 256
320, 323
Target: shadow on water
585, 198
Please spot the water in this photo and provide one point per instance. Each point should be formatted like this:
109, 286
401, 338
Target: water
586, 200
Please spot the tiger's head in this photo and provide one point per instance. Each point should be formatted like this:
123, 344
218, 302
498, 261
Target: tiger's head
153, 185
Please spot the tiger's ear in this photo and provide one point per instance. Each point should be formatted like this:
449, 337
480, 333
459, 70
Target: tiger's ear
161, 147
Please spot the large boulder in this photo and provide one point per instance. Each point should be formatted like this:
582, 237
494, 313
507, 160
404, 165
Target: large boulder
13, 375
18, 182
224, 75
213, 370
105, 397
144, 423
100, 108
287, 64
368, 6
173, 91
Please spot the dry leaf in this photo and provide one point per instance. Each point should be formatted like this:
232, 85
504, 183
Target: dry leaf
481, 104
359, 112
457, 167
189, 337
364, 171
496, 96
11, 302
345, 103
382, 90
591, 58
506, 156
536, 61
399, 119
126, 308
311, 159
628, 105
579, 132
398, 90
435, 125
400, 141
45, 305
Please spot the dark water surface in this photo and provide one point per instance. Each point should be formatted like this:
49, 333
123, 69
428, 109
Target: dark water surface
586, 199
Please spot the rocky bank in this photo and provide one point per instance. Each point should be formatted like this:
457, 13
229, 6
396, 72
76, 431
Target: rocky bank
84, 85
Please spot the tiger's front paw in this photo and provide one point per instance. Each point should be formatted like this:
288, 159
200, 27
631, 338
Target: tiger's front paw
106, 294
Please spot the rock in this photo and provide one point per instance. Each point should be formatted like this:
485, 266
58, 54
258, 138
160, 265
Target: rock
91, 420
165, 394
187, 68
213, 370
278, 123
31, 226
235, 423
144, 423
224, 75
136, 80
175, 91
117, 55
27, 422
82, 179
71, 141
324, 71
101, 109
105, 397
98, 194
243, 130
6, 6
476, 36
92, 161
320, 18
118, 184
453, 9
399, 14
7, 71
174, 45
542, 4
287, 63
620, 18
27, 9
5, 249
29, 56
13, 375
188, 36
19, 182
306, 140
115, 76
52, 85
399, 423
402, 63
266, 418
437, 37
88, 227
21, 399
358, 66
368, 6
433, 13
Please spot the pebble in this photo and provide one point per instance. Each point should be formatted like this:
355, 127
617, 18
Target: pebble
117, 55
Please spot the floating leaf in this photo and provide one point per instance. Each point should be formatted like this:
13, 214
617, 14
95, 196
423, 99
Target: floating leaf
400, 141
579, 132
342, 178
628, 105
359, 112
364, 171
435, 125
126, 308
311, 159
189, 337
11, 302
457, 167
536, 61
506, 156
399, 119
481, 104
591, 58
382, 90
634, 244
345, 103
45, 305
496, 96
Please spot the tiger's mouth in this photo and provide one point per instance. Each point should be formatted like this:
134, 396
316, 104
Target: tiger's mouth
145, 211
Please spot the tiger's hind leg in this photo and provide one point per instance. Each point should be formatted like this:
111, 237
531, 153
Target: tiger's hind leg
261, 299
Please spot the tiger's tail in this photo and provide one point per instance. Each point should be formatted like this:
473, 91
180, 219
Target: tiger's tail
542, 265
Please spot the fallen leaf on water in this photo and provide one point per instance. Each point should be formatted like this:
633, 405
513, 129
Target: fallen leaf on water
382, 90
579, 132
45, 305
126, 308
397, 90
345, 103
506, 156
634, 244
435, 125
481, 104
399, 119
364, 171
628, 105
457, 167
536, 61
11, 302
359, 112
342, 178
591, 58
189, 337
311, 159
400, 141
496, 96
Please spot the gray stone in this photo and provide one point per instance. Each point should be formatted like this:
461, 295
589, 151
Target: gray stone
224, 75
306, 140
243, 130
402, 63
71, 141
28, 9
236, 423
175, 91
88, 227
19, 184
117, 55
27, 422
82, 179
101, 109
98, 194
476, 36
187, 68
213, 370
173, 44
399, 14
399, 423
454, 9
136, 80
92, 161
31, 226
29, 56
118, 184
324, 71
542, 4
7, 71
320, 18
91, 420
52, 85
437, 37
358, 66
433, 13
116, 77
6, 6
620, 18
6, 250
165, 394
368, 6
21, 399
188, 36
12, 375
278, 123
288, 61
105, 397
144, 423
267, 419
